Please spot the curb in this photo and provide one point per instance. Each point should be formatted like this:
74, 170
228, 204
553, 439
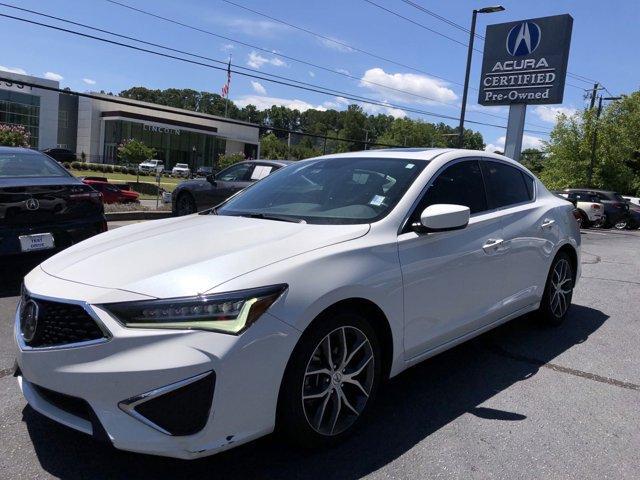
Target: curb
136, 215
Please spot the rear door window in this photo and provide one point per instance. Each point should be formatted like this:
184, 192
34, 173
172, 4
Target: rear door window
505, 184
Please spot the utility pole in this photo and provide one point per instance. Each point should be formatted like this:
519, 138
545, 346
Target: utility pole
366, 138
594, 92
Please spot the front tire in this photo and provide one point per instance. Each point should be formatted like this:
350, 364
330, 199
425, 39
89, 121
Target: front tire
331, 380
185, 204
558, 291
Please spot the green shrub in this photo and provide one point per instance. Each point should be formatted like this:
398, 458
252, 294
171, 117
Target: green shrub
66, 165
75, 165
131, 171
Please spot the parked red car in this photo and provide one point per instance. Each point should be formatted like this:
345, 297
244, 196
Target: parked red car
111, 193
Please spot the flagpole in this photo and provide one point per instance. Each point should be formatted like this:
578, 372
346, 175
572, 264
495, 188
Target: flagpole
226, 104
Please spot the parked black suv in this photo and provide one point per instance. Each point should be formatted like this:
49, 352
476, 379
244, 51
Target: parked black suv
60, 154
195, 195
43, 208
616, 208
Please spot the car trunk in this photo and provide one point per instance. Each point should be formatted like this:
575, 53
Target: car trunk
29, 205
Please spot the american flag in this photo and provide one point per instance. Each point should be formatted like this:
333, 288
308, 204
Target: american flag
225, 87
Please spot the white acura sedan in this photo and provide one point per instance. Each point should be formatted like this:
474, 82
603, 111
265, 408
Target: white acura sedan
286, 306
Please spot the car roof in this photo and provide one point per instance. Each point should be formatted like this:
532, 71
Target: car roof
591, 190
19, 149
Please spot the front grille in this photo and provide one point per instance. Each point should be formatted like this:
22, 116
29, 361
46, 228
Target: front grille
61, 324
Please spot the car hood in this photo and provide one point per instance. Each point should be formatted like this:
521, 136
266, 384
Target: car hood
189, 255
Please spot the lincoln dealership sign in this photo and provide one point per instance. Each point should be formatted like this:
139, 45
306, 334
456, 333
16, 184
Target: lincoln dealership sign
526, 61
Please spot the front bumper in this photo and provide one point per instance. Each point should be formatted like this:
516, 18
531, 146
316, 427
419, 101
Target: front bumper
248, 371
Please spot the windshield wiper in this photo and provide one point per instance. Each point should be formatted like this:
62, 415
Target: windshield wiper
268, 216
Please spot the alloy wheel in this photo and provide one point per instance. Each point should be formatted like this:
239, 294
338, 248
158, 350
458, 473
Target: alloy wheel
338, 380
561, 288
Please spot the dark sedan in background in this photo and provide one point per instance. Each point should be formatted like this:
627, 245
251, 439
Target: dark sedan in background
43, 208
198, 194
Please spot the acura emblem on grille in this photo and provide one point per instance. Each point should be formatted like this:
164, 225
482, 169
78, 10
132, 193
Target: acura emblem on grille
32, 204
29, 320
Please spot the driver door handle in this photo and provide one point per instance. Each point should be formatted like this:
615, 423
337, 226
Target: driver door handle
492, 245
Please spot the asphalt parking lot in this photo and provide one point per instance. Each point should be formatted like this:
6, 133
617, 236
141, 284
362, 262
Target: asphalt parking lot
522, 401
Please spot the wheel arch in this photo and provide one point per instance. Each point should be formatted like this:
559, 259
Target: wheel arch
378, 322
573, 256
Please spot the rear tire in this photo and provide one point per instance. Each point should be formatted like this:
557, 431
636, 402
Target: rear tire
558, 291
321, 409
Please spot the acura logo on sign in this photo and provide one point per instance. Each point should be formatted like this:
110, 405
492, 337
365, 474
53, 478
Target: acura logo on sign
29, 320
32, 204
523, 39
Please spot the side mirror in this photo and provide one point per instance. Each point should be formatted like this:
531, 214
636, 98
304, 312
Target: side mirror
211, 178
444, 217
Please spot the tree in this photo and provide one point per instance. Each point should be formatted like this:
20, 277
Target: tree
616, 164
14, 136
134, 151
225, 160
532, 158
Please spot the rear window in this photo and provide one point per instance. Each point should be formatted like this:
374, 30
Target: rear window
506, 185
22, 164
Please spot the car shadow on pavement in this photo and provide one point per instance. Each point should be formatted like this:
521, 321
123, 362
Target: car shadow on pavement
409, 408
12, 272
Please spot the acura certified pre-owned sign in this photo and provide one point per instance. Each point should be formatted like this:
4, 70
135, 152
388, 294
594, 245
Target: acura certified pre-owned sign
526, 61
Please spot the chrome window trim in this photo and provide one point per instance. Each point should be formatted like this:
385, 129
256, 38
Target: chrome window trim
128, 406
87, 308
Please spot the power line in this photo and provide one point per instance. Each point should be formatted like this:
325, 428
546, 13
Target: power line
338, 42
300, 85
477, 35
232, 40
208, 32
315, 88
270, 52
415, 23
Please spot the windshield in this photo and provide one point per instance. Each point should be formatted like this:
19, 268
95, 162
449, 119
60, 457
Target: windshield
23, 164
329, 191
181, 165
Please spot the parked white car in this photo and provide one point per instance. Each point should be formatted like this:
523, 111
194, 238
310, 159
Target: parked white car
181, 170
634, 200
292, 301
151, 166
589, 207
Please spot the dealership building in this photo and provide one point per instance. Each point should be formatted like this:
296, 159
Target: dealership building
94, 127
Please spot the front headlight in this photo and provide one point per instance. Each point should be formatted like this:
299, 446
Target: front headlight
231, 312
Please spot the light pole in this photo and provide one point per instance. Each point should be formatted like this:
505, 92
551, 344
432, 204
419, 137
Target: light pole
472, 34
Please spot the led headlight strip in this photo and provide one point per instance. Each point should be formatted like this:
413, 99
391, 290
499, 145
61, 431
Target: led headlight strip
231, 312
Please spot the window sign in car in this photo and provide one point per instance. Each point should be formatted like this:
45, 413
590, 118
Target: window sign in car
332, 191
261, 171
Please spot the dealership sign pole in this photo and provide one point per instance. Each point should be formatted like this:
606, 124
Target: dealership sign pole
524, 63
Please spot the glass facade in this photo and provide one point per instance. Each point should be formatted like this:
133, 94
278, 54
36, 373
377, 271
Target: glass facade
18, 108
172, 144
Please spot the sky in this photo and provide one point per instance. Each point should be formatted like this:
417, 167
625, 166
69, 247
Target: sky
405, 65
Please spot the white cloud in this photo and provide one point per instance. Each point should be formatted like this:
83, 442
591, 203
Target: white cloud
89, 81
311, 74
528, 141
255, 28
335, 44
255, 60
258, 88
336, 104
343, 70
376, 109
550, 114
227, 47
264, 103
422, 85
53, 76
19, 70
